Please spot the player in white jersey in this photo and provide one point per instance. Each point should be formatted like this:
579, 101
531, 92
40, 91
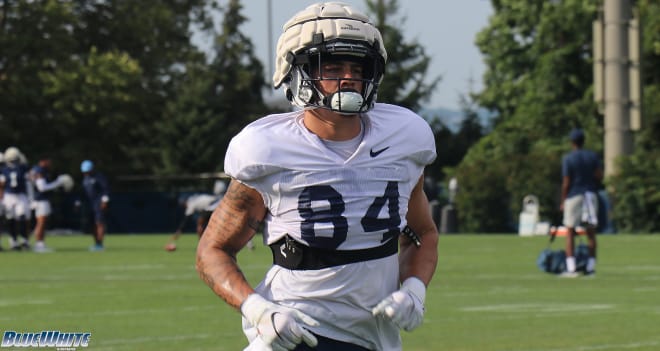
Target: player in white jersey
335, 185
43, 189
201, 206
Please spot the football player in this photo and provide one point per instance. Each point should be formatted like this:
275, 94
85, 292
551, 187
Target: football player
44, 185
335, 184
2, 206
97, 191
13, 192
582, 172
200, 205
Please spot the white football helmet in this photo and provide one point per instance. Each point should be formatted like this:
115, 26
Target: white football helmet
12, 154
329, 31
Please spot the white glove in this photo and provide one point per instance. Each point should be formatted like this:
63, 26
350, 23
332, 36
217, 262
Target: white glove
281, 328
404, 307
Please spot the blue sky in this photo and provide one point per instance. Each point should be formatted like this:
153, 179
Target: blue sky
446, 28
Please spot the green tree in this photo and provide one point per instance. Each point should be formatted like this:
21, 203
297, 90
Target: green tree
213, 102
453, 146
93, 76
539, 82
470, 132
34, 38
91, 100
159, 40
405, 82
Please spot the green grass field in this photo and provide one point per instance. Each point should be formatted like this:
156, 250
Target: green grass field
487, 295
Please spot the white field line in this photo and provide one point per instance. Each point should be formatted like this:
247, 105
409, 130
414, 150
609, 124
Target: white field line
20, 302
539, 308
628, 346
132, 311
67, 279
118, 271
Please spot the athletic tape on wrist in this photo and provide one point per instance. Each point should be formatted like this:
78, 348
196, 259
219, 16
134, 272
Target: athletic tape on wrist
415, 286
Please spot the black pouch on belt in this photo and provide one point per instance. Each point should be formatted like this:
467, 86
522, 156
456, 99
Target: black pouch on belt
291, 254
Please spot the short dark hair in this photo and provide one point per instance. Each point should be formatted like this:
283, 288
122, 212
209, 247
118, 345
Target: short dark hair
577, 136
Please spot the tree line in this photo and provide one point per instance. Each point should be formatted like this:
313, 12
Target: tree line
539, 82
120, 82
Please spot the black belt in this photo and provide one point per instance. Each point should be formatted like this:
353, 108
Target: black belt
291, 254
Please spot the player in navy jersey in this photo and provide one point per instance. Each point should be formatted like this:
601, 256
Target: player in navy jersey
582, 172
13, 192
335, 184
2, 206
97, 191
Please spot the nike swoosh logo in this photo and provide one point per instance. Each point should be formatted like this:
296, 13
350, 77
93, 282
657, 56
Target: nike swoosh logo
373, 153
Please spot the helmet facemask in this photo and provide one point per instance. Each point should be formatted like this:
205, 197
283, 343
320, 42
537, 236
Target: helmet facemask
307, 72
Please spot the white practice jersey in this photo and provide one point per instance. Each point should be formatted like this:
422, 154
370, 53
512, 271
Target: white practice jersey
323, 200
342, 204
201, 203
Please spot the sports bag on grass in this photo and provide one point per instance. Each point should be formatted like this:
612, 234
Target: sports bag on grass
554, 261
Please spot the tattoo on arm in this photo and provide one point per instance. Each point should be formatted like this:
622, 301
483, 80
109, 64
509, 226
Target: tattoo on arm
240, 200
232, 224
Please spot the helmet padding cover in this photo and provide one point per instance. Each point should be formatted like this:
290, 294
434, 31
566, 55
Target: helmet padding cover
332, 21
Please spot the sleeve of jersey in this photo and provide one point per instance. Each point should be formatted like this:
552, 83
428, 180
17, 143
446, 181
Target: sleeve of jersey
44, 186
248, 156
427, 152
409, 131
423, 143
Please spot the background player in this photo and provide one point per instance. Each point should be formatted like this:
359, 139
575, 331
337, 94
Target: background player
43, 187
97, 191
14, 195
582, 172
2, 206
200, 206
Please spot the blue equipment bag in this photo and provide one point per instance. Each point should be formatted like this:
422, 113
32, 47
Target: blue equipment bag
554, 261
